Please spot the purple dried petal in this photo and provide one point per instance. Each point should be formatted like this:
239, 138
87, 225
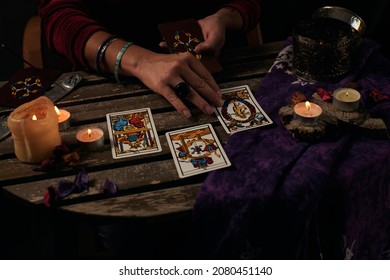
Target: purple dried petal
50, 196
65, 188
109, 187
81, 181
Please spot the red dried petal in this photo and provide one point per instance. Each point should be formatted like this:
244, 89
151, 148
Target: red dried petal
377, 96
324, 94
50, 196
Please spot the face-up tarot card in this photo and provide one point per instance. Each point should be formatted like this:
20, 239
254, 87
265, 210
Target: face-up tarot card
240, 110
196, 150
132, 133
184, 36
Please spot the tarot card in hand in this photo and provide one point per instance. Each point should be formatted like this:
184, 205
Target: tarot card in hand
240, 110
196, 150
184, 36
132, 133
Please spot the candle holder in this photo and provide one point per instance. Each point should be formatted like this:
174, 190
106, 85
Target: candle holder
346, 99
34, 129
63, 117
331, 123
307, 113
324, 45
90, 139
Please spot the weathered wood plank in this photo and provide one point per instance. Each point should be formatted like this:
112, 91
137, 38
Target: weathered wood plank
142, 205
13, 171
130, 179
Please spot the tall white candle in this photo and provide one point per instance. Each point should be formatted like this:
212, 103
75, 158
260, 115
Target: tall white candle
34, 128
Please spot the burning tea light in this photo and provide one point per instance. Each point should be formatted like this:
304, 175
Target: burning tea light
307, 112
346, 99
90, 138
63, 118
34, 130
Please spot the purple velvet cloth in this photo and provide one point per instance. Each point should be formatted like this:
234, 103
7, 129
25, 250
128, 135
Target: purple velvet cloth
283, 198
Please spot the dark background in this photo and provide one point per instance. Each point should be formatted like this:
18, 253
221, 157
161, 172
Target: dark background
277, 21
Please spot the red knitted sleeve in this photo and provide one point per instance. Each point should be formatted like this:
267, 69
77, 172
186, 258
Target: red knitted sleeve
249, 10
66, 26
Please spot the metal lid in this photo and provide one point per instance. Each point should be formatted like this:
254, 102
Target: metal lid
342, 14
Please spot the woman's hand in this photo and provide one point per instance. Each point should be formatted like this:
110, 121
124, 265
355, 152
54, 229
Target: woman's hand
162, 72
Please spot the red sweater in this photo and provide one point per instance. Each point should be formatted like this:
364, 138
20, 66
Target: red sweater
67, 24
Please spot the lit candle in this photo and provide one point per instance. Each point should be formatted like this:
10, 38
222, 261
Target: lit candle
34, 129
63, 118
346, 99
307, 112
90, 138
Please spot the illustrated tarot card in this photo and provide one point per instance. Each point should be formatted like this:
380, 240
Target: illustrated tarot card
240, 110
196, 150
184, 36
132, 133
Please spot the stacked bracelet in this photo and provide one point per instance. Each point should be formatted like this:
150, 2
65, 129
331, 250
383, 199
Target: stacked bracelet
101, 50
118, 60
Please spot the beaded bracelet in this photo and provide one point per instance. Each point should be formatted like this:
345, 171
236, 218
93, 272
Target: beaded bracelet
101, 50
118, 60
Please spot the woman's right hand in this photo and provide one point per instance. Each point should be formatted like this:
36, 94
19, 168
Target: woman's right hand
162, 72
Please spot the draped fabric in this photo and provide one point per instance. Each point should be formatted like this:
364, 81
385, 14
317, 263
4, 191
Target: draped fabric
288, 199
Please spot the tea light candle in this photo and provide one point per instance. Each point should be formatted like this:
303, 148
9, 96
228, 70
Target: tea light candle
90, 138
34, 129
63, 118
346, 99
307, 112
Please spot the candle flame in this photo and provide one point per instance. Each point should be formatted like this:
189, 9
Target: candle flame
34, 118
89, 132
308, 106
57, 111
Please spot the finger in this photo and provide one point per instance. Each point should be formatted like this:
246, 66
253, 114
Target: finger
201, 80
184, 91
200, 102
163, 45
176, 102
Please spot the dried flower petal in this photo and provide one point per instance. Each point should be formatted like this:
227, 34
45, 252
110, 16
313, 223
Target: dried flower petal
65, 188
71, 158
324, 94
61, 150
109, 187
378, 96
297, 97
81, 181
50, 196
47, 165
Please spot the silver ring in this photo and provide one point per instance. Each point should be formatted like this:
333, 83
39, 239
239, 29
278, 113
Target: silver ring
182, 89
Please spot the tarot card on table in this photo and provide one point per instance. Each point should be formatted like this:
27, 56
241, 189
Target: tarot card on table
132, 133
240, 110
196, 150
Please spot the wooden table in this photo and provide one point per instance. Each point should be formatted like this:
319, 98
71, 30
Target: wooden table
148, 185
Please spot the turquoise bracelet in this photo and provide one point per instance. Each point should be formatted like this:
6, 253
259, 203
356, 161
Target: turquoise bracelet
118, 60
